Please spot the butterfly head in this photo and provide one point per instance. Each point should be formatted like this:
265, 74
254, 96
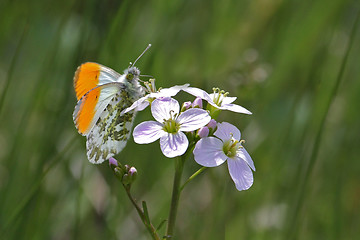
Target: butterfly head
132, 73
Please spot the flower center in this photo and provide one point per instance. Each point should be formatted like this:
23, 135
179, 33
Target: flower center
219, 96
150, 86
231, 146
170, 125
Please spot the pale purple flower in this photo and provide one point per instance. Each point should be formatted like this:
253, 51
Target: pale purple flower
226, 146
143, 102
218, 99
170, 125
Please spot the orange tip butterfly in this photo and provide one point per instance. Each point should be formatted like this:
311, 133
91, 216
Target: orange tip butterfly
102, 95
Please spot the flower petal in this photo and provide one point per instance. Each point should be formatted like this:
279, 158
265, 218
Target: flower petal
197, 92
244, 155
228, 100
169, 92
164, 108
148, 132
226, 130
139, 105
173, 145
234, 108
193, 119
208, 152
240, 173
223, 100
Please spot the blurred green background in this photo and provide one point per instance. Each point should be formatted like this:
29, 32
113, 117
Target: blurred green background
284, 60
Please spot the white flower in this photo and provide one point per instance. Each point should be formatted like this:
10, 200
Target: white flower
226, 146
170, 125
219, 99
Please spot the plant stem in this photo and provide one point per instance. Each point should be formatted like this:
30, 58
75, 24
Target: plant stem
146, 222
193, 176
179, 166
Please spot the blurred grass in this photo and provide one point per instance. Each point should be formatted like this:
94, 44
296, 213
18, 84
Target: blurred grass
280, 58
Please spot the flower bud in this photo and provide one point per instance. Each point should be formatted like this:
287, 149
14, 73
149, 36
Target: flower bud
203, 132
127, 168
130, 176
197, 103
119, 173
113, 162
133, 173
185, 106
212, 124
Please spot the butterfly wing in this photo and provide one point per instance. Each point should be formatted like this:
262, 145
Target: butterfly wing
102, 95
90, 75
112, 129
89, 108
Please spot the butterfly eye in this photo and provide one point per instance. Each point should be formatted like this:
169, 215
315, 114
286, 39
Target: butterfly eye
129, 76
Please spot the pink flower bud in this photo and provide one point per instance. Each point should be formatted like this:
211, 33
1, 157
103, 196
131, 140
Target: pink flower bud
132, 171
130, 176
203, 132
197, 103
212, 124
186, 106
113, 162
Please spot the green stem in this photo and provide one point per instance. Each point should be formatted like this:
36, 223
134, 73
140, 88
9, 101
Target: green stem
179, 167
193, 176
146, 222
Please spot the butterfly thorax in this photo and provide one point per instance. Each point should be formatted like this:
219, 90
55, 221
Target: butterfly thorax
131, 81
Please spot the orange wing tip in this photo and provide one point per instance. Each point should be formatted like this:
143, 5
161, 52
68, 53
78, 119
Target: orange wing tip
86, 78
86, 112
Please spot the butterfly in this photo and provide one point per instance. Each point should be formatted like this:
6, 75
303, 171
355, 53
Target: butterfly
102, 95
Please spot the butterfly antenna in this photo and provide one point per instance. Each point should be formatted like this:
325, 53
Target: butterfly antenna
141, 54
148, 76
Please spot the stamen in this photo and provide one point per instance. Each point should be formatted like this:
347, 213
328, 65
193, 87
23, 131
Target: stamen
241, 142
148, 86
152, 84
217, 94
234, 143
171, 126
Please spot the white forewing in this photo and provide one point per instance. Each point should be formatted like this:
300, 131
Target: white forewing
107, 75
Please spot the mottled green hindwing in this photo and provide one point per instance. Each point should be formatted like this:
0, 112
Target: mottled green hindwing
112, 130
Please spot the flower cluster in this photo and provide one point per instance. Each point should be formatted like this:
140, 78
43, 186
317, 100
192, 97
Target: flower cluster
214, 143
170, 126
